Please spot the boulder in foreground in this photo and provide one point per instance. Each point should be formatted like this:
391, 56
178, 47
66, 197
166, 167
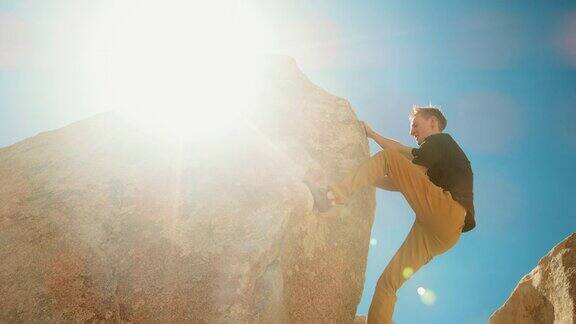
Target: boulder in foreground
548, 293
103, 221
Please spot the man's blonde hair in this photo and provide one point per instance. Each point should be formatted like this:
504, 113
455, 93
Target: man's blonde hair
429, 111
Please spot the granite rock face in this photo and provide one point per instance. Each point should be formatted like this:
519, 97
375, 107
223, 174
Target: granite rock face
548, 293
102, 220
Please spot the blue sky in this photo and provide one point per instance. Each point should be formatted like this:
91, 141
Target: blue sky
504, 73
507, 84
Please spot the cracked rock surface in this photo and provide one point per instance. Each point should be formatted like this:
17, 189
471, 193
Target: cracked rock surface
101, 220
548, 293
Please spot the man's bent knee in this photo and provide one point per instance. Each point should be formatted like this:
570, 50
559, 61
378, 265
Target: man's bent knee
393, 154
387, 285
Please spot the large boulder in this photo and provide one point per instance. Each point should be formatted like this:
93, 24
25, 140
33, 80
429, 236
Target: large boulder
103, 220
548, 293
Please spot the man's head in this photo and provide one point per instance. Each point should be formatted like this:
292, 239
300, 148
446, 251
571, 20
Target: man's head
426, 121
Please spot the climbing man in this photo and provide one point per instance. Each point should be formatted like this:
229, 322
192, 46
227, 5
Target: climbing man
435, 179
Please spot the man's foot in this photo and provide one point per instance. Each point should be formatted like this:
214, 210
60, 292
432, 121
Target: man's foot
320, 195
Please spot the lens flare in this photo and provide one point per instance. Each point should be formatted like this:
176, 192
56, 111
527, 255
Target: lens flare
427, 296
566, 40
407, 272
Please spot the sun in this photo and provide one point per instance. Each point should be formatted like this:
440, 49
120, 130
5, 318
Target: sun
187, 67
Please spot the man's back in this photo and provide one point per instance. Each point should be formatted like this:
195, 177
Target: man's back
448, 168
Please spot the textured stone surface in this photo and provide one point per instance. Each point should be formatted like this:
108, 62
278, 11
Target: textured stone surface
101, 220
548, 293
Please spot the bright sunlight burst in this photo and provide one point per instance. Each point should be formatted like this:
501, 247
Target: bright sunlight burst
184, 67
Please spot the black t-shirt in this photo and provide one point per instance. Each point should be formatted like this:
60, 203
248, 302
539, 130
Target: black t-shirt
449, 169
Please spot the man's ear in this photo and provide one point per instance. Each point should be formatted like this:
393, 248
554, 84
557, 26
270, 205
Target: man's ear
433, 122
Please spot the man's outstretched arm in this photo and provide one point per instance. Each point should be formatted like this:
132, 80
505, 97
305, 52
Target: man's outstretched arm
388, 143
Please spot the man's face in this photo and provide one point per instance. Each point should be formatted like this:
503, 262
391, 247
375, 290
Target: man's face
421, 128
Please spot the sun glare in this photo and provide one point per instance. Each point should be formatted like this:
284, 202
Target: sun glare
427, 296
189, 68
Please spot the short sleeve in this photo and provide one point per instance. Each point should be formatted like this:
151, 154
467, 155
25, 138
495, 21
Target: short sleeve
429, 153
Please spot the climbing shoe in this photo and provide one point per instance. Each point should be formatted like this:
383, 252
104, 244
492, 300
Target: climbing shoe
321, 201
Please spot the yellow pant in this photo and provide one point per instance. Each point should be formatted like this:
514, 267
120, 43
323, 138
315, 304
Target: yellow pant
437, 227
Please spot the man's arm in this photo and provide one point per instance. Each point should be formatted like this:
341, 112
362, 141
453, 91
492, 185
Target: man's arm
388, 143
